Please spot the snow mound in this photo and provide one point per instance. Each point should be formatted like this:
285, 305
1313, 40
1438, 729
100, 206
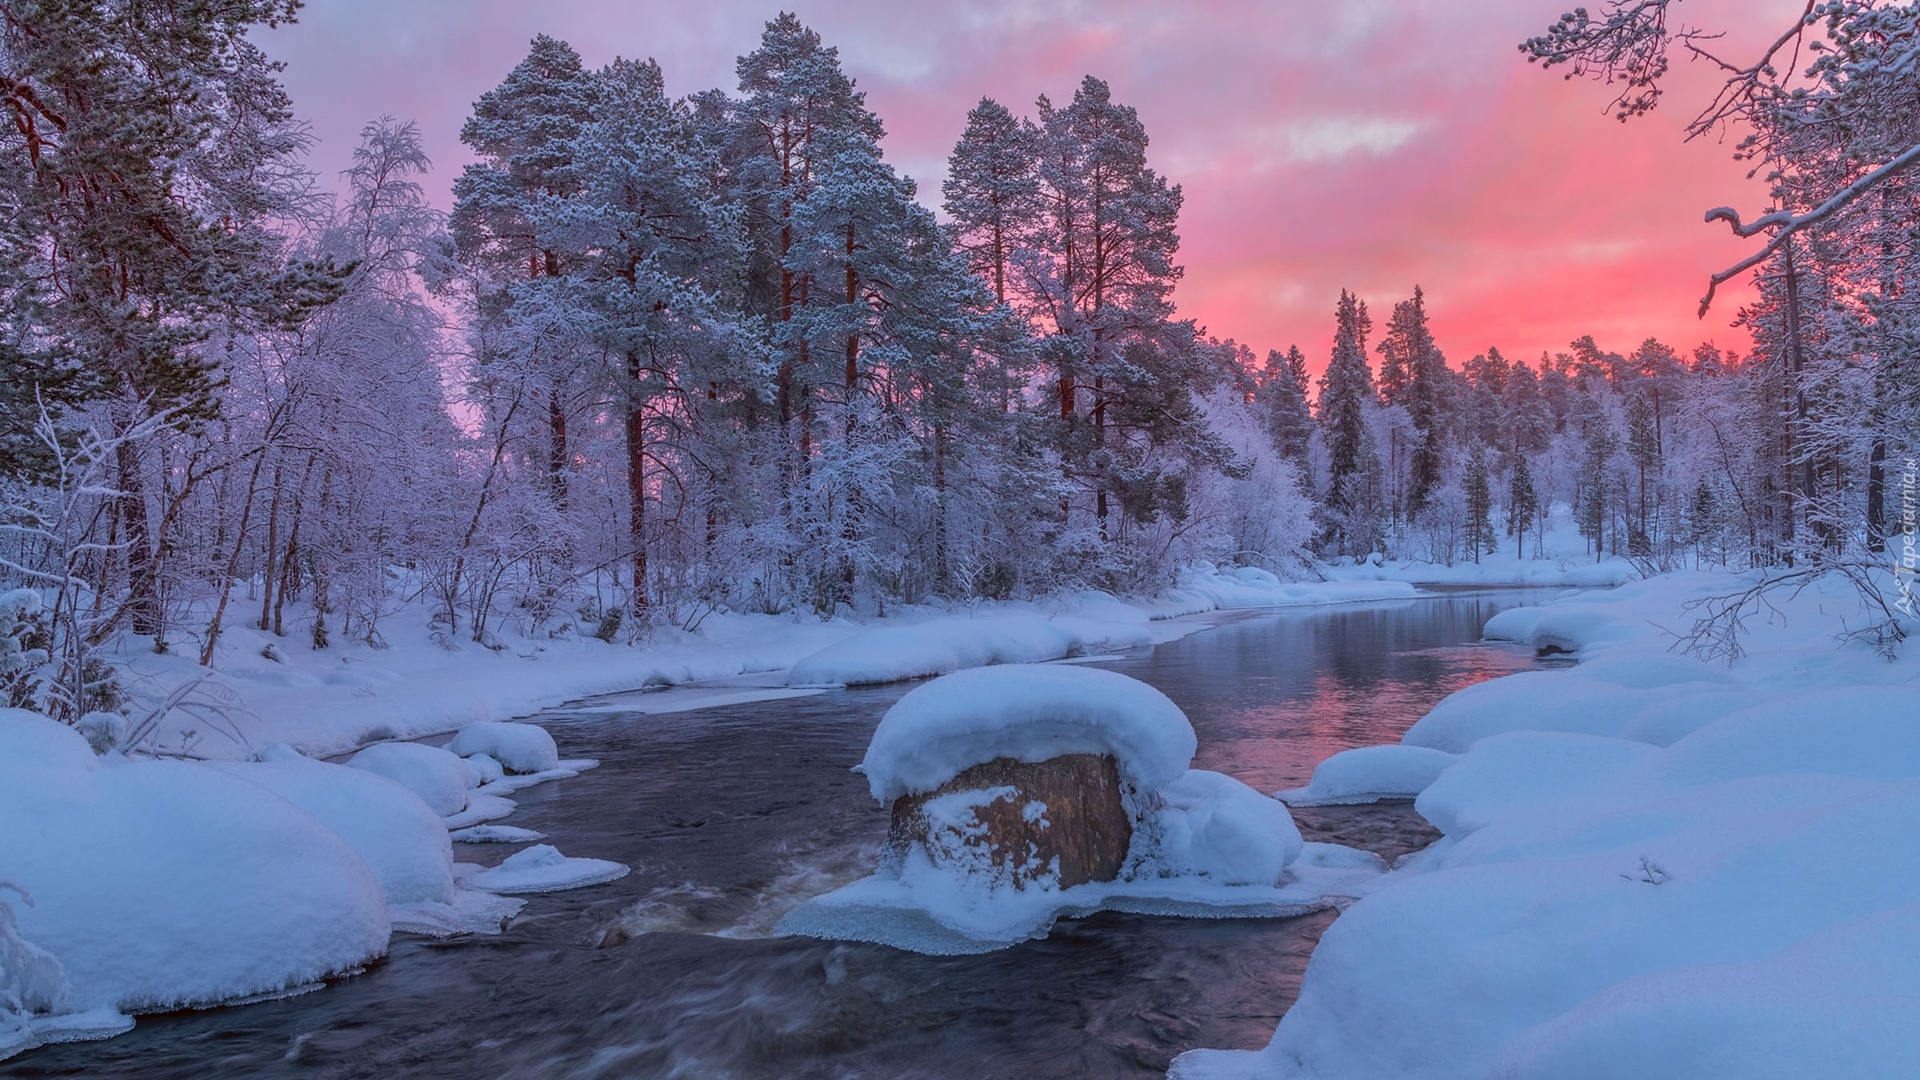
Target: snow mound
937, 647
519, 748
480, 809
438, 776
165, 884
1368, 774
541, 868
1531, 701
1523, 768
1029, 713
496, 834
485, 770
1215, 827
401, 839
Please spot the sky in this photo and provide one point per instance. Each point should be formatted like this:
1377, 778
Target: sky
1369, 145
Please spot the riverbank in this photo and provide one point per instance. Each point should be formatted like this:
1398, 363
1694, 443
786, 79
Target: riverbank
265, 689
1652, 865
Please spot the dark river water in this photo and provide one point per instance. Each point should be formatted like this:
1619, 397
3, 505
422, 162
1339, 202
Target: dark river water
731, 815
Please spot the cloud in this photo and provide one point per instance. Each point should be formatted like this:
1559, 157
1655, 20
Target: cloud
1368, 144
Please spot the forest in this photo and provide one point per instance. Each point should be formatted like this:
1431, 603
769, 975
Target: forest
672, 356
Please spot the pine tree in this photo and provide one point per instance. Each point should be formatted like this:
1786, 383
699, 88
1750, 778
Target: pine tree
150, 145
1643, 446
524, 132
991, 189
1523, 505
1479, 497
1098, 265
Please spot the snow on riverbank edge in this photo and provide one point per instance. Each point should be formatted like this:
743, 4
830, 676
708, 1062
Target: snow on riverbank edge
327, 702
1652, 865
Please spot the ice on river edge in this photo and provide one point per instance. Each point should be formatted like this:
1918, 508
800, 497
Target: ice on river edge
1202, 844
158, 885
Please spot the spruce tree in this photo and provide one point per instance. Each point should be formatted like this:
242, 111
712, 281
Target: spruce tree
1345, 390
1408, 344
1289, 421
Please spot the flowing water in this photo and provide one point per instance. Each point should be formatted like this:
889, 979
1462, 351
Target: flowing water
730, 815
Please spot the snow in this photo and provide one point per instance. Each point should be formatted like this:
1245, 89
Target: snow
541, 868
438, 776
402, 840
1566, 560
1368, 774
1215, 827
480, 808
417, 682
1651, 866
1028, 712
163, 884
518, 748
934, 648
496, 834
1203, 844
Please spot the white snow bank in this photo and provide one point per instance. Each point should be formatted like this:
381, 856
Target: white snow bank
1529, 701
1368, 774
36, 1003
1521, 768
518, 748
480, 808
1029, 713
402, 840
1726, 892
1239, 588
936, 647
541, 868
162, 884
438, 776
1215, 827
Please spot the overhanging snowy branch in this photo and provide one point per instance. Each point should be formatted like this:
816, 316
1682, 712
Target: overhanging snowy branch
1786, 224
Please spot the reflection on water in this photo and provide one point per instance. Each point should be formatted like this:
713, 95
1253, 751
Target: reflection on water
731, 815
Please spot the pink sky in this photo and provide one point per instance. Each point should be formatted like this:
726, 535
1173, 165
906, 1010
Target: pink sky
1360, 144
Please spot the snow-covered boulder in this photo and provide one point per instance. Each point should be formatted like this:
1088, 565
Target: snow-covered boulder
402, 840
1053, 824
163, 884
1368, 774
438, 776
519, 748
895, 653
1027, 713
1017, 789
1523, 769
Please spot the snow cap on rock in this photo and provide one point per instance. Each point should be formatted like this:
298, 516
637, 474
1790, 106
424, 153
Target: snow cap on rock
1028, 712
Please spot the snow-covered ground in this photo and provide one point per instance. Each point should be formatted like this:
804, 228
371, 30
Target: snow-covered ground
1652, 865
130, 884
133, 885
1565, 558
325, 702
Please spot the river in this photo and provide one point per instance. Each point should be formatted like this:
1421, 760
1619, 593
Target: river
730, 815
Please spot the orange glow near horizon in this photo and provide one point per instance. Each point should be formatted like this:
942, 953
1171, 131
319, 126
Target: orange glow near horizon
1371, 145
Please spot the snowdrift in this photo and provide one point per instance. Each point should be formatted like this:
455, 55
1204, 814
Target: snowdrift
1650, 867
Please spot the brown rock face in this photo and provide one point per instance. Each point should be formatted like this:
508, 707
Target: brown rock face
1083, 825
